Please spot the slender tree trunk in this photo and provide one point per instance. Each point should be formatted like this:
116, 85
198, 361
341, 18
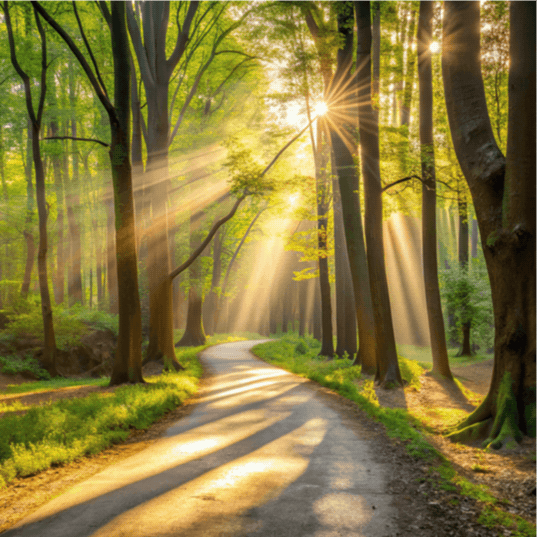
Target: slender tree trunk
194, 333
387, 365
327, 344
409, 72
466, 349
428, 211
211, 302
28, 222
345, 308
111, 257
73, 206
503, 191
59, 287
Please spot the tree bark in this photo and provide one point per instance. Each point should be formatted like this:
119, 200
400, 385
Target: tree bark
344, 146
194, 334
503, 191
345, 308
428, 211
213, 298
48, 357
387, 365
74, 287
466, 349
28, 222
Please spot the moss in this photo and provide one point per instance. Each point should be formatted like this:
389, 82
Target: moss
505, 431
471, 433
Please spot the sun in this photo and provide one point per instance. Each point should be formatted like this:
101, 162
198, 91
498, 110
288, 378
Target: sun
321, 108
434, 47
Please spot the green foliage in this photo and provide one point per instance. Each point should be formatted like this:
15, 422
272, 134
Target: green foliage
12, 365
467, 294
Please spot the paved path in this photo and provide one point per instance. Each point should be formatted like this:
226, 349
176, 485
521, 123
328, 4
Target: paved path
260, 455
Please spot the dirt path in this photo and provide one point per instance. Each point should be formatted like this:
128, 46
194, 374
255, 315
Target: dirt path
261, 454
321, 490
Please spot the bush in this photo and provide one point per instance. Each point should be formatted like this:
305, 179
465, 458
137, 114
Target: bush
12, 365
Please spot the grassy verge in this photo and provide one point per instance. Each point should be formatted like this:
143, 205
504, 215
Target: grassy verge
299, 355
68, 429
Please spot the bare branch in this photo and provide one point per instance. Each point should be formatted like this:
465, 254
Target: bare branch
88, 48
79, 56
207, 240
76, 138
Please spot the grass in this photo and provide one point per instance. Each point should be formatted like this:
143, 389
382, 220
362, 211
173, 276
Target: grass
423, 354
67, 429
339, 375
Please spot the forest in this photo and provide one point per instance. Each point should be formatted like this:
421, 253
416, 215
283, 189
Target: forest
354, 181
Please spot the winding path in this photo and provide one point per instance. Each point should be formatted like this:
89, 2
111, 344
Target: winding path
262, 454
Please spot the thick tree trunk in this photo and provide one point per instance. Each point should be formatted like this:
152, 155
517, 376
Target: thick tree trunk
128, 361
387, 365
344, 147
430, 263
503, 192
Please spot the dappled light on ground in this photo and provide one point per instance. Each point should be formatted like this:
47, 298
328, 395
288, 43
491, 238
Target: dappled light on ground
261, 454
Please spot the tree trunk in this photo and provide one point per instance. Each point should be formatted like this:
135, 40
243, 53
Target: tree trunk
345, 308
344, 147
194, 334
74, 287
428, 211
111, 257
28, 224
503, 191
321, 183
128, 360
211, 302
465, 349
409, 73
59, 279
387, 365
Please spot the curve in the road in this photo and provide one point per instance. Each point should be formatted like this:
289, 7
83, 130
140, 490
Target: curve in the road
260, 455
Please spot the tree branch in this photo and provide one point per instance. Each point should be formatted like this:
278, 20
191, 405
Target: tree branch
182, 38
401, 181
88, 48
207, 240
76, 138
80, 57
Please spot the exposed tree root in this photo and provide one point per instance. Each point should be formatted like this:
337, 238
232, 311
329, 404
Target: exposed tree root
500, 429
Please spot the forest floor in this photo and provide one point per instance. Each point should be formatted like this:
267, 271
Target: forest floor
510, 475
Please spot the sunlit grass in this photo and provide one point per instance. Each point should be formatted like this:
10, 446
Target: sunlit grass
67, 429
423, 354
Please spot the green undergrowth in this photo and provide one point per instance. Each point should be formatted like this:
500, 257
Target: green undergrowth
67, 429
342, 377
14, 364
423, 354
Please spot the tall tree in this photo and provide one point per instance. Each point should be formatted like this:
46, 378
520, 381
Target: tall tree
342, 98
387, 365
49, 350
128, 361
428, 211
503, 192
